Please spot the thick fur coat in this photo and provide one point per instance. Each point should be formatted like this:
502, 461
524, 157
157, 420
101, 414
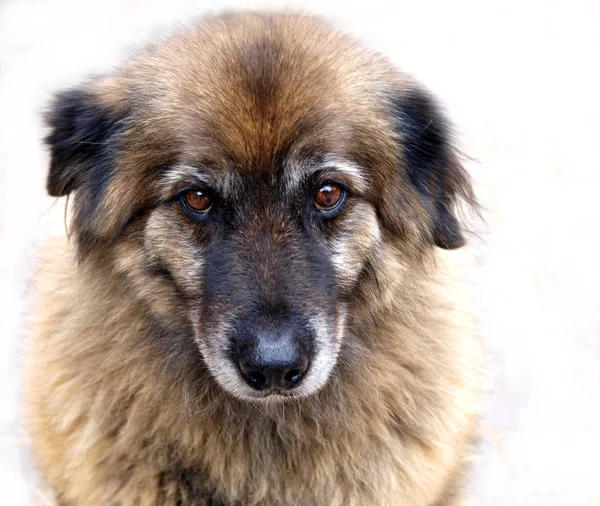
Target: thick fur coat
133, 396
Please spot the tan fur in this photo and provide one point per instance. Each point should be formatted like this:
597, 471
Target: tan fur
114, 414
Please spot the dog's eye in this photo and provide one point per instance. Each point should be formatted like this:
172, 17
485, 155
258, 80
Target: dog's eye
328, 197
198, 201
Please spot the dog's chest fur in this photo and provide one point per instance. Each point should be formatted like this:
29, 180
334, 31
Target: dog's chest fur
167, 433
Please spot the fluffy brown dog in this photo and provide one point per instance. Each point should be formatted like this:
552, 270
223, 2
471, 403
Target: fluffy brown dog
255, 308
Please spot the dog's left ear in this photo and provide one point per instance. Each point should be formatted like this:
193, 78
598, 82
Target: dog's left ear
83, 140
80, 130
431, 164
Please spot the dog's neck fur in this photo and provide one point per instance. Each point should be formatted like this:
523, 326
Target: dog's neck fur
265, 452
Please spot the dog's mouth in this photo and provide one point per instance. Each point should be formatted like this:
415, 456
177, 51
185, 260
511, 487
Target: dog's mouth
227, 375
272, 365
282, 385
274, 395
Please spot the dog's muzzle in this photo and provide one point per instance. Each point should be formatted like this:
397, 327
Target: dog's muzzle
273, 360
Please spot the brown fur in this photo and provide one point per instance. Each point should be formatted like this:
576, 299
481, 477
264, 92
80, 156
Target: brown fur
121, 405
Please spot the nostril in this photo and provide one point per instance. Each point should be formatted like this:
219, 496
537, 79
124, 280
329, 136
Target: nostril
256, 379
294, 376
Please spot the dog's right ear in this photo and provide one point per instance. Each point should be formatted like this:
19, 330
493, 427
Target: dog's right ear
432, 165
81, 129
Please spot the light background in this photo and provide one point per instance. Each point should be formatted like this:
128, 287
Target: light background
519, 78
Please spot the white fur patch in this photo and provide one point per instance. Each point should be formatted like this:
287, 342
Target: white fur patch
349, 171
351, 248
180, 175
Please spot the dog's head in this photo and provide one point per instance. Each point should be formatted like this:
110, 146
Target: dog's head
250, 177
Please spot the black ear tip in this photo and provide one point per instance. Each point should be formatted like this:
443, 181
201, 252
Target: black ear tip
453, 241
55, 182
79, 127
54, 191
447, 233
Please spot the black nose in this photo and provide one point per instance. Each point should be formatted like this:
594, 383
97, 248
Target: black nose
274, 361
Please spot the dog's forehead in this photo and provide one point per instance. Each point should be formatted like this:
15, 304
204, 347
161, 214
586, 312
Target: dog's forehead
255, 89
255, 116
253, 97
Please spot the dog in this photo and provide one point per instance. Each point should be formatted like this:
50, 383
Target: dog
257, 303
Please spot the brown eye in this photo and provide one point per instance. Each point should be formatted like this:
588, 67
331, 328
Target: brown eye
197, 200
328, 197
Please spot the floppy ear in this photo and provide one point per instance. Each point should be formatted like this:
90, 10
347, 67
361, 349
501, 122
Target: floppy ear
81, 129
82, 140
432, 165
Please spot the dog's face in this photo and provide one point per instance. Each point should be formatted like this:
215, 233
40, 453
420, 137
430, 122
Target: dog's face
246, 177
